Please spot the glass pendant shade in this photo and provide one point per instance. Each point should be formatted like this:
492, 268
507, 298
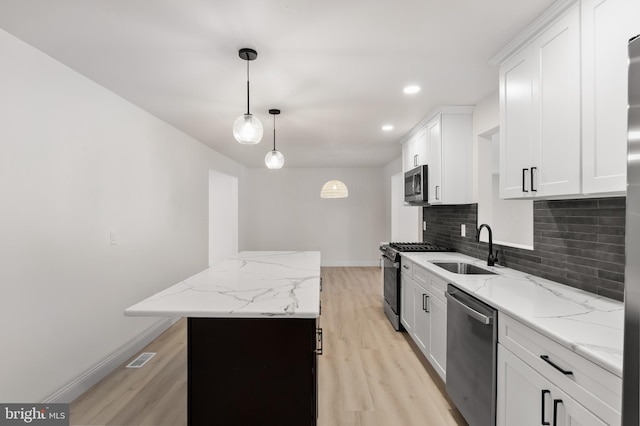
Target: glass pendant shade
334, 189
247, 129
274, 159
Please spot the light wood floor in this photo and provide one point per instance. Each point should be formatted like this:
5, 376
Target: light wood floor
369, 374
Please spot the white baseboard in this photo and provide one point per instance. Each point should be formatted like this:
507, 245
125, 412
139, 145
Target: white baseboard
99, 371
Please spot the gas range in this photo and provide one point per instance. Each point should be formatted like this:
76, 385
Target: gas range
393, 250
391, 276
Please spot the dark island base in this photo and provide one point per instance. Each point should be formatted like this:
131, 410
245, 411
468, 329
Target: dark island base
252, 371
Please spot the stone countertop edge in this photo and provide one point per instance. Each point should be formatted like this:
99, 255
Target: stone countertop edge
588, 324
253, 284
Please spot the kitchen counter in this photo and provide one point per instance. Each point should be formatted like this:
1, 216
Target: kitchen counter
589, 325
252, 323
254, 284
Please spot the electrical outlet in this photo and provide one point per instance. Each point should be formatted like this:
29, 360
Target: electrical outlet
424, 225
463, 230
113, 240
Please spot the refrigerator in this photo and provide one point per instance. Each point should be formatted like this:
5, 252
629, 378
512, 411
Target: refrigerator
631, 356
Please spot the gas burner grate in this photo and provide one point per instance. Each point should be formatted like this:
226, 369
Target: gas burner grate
418, 247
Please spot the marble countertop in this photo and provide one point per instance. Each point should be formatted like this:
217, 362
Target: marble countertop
590, 325
254, 284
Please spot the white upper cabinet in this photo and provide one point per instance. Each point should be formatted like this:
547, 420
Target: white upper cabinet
414, 151
516, 124
449, 135
434, 143
556, 103
563, 101
540, 114
607, 27
443, 141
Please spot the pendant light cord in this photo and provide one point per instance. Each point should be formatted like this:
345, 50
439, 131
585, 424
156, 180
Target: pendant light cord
248, 113
274, 132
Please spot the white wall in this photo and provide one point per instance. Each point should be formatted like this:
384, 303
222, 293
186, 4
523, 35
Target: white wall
486, 116
511, 220
223, 216
287, 213
77, 161
391, 169
405, 219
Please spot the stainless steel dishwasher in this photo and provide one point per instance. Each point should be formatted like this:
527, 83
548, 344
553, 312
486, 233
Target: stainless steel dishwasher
472, 337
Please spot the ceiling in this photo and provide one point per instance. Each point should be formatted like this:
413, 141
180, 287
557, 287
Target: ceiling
335, 68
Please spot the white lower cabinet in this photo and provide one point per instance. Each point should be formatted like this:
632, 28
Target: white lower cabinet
422, 319
542, 383
407, 311
438, 334
525, 397
423, 313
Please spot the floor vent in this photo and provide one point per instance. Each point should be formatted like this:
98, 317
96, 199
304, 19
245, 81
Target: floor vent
141, 360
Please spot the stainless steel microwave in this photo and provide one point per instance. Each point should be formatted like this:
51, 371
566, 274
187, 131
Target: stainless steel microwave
416, 185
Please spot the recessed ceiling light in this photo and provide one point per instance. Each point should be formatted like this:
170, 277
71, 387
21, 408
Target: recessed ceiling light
410, 90
387, 127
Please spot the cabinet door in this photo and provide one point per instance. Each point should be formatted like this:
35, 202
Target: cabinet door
438, 335
607, 26
519, 399
408, 155
556, 99
422, 319
516, 124
525, 397
421, 149
434, 139
407, 310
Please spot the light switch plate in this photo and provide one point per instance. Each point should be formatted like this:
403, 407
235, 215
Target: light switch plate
424, 225
463, 230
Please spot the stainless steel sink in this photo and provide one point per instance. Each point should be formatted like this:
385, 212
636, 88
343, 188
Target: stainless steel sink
463, 268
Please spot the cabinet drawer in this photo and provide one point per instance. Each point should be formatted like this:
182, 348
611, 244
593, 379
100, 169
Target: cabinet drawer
430, 281
421, 276
438, 287
591, 385
406, 267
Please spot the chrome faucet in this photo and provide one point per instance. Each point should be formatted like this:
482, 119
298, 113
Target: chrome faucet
492, 259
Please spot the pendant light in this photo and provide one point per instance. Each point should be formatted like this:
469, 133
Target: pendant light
334, 189
247, 129
274, 158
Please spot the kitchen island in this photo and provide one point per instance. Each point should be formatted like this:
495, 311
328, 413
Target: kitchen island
252, 337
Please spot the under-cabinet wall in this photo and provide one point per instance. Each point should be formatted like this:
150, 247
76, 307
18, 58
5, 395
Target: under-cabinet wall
579, 243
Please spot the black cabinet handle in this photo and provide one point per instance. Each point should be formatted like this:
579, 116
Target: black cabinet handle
544, 392
533, 189
320, 341
437, 196
546, 359
524, 180
555, 411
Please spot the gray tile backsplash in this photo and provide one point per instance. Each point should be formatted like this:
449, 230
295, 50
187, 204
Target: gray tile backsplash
576, 242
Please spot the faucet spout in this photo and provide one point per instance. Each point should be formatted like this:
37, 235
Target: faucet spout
491, 259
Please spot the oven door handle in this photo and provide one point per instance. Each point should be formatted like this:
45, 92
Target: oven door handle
469, 310
391, 261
